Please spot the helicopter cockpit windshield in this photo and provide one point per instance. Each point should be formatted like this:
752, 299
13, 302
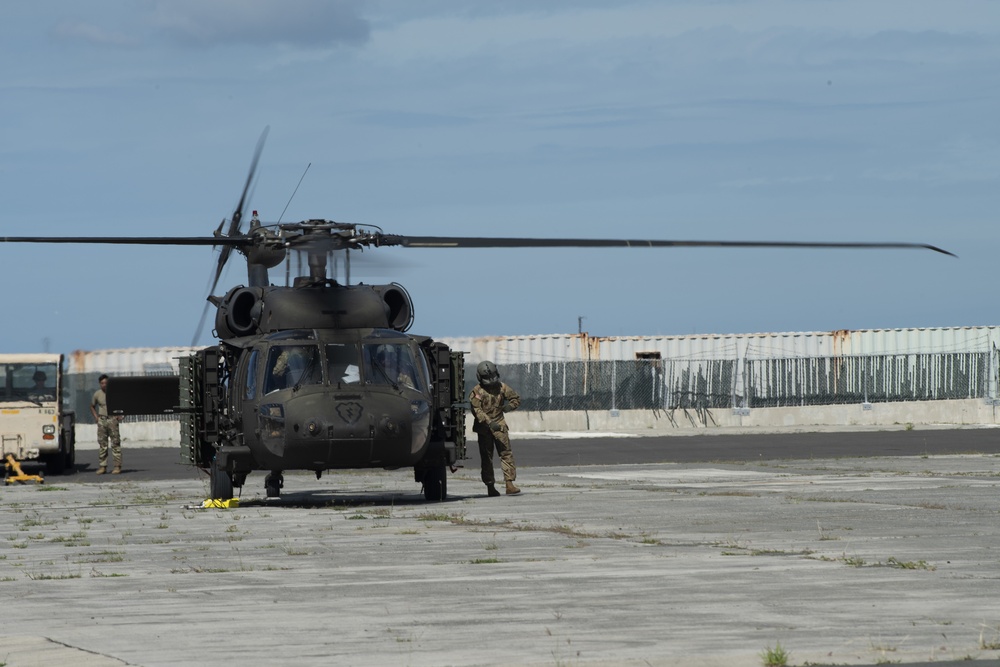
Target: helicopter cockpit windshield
342, 366
395, 364
292, 366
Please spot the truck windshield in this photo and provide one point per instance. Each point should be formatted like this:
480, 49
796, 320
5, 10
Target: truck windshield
35, 382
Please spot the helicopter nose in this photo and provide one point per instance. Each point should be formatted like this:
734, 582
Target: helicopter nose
331, 431
389, 425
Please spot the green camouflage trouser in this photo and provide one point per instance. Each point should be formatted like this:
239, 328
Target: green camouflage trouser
499, 441
107, 427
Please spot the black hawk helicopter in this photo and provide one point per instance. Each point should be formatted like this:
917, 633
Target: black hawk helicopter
321, 375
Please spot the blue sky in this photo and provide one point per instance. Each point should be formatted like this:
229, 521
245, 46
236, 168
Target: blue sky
794, 120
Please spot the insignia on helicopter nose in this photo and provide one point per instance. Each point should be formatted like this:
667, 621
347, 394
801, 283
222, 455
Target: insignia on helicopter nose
350, 412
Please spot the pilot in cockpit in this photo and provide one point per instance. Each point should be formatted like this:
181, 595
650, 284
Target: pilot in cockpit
293, 366
40, 391
389, 367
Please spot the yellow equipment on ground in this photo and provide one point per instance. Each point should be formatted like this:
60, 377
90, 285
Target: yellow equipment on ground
219, 503
19, 475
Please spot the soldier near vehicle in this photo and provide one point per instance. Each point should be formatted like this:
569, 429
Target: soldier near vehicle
490, 399
107, 429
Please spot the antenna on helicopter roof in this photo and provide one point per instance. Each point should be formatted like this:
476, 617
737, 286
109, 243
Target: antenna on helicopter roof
288, 262
294, 191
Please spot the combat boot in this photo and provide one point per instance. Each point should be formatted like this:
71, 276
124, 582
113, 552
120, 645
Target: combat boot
511, 489
491, 490
100, 471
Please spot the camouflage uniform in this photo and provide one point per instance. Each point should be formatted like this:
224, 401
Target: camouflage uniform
488, 406
107, 428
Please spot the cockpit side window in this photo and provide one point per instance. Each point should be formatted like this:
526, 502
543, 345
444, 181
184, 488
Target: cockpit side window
342, 366
292, 365
391, 364
251, 384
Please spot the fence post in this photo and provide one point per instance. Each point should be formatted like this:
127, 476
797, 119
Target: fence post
614, 384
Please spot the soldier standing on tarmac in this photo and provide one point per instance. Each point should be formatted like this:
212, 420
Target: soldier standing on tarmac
107, 426
490, 399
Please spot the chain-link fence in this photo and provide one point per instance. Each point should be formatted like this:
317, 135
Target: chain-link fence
868, 379
621, 385
665, 384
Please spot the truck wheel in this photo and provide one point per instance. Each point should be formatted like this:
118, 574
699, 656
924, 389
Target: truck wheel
436, 484
55, 464
62, 461
221, 483
70, 452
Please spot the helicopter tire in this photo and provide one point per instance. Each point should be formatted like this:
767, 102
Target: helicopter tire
436, 484
272, 485
221, 482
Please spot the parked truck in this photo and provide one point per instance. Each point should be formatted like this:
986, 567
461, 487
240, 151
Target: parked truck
34, 425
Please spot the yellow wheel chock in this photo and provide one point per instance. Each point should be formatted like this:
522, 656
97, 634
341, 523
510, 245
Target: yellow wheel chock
19, 475
221, 503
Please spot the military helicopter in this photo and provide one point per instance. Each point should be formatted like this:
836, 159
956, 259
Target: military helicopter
322, 374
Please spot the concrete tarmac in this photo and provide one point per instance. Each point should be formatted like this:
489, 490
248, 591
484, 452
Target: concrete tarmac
870, 560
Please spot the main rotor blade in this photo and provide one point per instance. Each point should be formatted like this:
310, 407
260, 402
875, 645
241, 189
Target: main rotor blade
234, 223
238, 242
478, 242
234, 229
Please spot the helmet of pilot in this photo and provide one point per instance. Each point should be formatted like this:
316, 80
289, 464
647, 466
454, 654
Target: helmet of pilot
385, 355
487, 374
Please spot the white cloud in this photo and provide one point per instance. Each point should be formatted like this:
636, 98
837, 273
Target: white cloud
94, 34
264, 22
461, 34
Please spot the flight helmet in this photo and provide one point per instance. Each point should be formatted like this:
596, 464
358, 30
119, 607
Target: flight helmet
487, 374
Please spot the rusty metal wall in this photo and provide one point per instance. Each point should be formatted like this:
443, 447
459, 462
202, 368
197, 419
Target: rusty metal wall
128, 361
583, 347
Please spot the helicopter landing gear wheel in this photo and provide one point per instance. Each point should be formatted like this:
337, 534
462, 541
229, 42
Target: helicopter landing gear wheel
436, 483
221, 482
273, 483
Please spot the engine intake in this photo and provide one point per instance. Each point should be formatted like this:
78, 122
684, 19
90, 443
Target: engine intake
239, 312
399, 306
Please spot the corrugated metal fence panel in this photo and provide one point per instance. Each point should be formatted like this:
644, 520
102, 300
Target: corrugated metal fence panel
921, 341
129, 361
787, 345
582, 347
520, 349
